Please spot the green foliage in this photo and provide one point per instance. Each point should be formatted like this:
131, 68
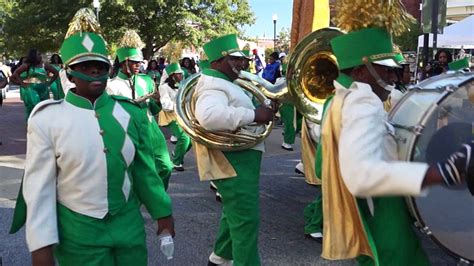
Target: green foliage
43, 23
283, 40
408, 41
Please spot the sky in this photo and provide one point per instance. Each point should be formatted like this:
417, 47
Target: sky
264, 10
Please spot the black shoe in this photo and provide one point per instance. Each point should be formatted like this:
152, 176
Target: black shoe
210, 263
218, 197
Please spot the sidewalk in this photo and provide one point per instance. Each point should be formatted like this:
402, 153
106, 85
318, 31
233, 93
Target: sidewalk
12, 148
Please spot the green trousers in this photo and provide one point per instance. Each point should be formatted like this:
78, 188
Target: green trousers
32, 95
182, 145
391, 233
287, 112
237, 237
313, 216
57, 89
114, 240
163, 163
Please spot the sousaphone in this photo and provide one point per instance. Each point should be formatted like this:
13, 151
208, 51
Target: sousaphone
312, 68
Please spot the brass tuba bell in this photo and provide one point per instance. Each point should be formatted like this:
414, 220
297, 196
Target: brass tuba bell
312, 68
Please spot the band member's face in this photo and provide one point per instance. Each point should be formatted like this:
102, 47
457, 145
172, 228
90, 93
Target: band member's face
229, 65
90, 89
387, 74
233, 65
132, 67
177, 77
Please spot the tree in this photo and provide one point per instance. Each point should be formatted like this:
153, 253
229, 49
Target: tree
283, 40
43, 23
408, 41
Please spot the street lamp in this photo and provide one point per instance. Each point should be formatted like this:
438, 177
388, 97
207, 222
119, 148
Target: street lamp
275, 18
96, 5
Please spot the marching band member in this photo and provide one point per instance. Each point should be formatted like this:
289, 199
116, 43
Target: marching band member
56, 88
223, 106
364, 215
32, 77
83, 196
168, 92
130, 83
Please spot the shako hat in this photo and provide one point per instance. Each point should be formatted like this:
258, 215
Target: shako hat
222, 46
130, 47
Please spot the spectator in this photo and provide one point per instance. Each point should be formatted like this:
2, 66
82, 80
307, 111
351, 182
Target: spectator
272, 71
152, 70
440, 65
161, 64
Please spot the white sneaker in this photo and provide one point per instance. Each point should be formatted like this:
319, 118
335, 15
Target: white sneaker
213, 258
286, 146
218, 197
178, 167
299, 168
316, 235
173, 139
212, 186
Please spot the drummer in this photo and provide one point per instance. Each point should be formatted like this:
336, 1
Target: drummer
360, 160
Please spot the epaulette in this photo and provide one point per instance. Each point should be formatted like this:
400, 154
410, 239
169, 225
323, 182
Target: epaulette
43, 104
126, 99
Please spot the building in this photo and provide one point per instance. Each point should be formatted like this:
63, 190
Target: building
459, 9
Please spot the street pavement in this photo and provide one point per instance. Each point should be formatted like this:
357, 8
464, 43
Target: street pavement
283, 196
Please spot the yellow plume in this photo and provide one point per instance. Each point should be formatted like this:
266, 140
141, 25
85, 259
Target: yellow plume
353, 15
83, 21
131, 39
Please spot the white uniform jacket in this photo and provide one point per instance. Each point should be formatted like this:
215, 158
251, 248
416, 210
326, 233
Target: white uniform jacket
368, 151
167, 97
222, 105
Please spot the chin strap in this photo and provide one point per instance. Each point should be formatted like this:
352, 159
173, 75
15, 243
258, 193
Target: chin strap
376, 76
85, 77
233, 67
131, 80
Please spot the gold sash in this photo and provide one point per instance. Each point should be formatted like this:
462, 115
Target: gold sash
211, 163
308, 155
344, 232
165, 118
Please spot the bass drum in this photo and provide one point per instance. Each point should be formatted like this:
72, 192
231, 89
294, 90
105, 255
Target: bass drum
431, 122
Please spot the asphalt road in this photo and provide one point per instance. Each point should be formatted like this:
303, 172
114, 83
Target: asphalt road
283, 196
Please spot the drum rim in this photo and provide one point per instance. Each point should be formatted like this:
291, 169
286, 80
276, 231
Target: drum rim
414, 208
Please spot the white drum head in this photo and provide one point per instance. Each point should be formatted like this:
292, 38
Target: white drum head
447, 214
